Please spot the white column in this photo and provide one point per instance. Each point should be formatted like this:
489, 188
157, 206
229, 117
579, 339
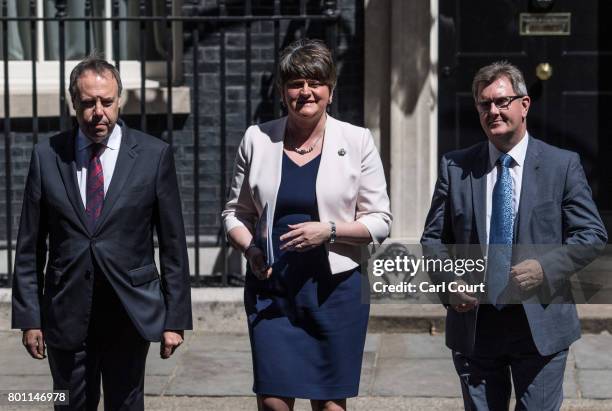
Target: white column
401, 104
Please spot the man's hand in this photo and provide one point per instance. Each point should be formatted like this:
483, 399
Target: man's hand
462, 301
170, 342
305, 236
527, 275
257, 261
34, 343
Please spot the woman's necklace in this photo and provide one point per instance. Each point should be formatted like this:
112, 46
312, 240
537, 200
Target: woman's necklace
302, 151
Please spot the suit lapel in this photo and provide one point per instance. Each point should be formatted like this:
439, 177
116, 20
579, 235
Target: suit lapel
529, 187
275, 164
478, 178
328, 165
67, 167
126, 159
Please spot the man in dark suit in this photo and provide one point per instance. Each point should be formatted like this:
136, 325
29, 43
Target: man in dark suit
509, 192
95, 195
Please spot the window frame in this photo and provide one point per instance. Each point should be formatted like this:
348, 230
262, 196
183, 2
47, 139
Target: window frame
48, 75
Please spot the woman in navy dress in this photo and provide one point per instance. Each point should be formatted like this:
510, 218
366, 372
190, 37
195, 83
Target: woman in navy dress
306, 316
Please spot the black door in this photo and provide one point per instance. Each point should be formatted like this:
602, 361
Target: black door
571, 102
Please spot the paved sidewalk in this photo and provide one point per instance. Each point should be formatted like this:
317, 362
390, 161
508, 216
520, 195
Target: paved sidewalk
400, 372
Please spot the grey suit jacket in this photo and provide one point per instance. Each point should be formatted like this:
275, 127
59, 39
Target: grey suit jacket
556, 208
142, 197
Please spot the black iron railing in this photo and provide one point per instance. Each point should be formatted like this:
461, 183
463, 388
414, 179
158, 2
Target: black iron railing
195, 22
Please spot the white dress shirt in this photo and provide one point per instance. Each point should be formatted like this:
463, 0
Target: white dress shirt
108, 159
517, 165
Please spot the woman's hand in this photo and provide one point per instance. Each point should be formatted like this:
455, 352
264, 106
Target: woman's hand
257, 262
305, 236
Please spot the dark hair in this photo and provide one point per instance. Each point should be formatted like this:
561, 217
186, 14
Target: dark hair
96, 63
488, 74
308, 59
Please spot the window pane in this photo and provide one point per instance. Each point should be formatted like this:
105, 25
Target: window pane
155, 32
18, 32
75, 30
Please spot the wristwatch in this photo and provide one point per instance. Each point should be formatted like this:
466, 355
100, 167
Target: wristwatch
252, 245
332, 234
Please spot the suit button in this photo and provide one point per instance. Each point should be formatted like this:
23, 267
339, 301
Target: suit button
87, 275
93, 242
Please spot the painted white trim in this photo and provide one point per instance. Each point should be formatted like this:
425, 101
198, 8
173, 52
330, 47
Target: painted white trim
20, 71
20, 74
433, 81
108, 33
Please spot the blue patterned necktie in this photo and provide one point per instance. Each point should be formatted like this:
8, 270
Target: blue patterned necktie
500, 233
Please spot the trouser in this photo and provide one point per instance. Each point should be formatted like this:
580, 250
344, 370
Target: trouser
505, 354
113, 353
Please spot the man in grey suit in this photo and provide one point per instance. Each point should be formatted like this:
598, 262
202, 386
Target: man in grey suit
513, 190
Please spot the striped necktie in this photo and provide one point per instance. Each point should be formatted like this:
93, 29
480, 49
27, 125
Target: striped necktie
95, 185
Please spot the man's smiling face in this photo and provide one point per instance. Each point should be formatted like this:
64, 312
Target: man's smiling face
505, 124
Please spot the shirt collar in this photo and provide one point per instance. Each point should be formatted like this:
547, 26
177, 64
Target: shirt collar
518, 152
113, 141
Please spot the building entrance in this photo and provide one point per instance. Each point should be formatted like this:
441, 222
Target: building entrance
563, 47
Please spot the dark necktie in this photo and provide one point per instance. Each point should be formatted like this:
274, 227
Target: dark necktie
95, 185
500, 233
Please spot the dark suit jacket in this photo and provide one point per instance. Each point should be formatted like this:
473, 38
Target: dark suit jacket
142, 197
556, 208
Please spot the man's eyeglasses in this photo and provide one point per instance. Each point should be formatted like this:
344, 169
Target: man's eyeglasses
502, 103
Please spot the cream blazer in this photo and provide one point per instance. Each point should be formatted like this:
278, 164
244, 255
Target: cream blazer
350, 183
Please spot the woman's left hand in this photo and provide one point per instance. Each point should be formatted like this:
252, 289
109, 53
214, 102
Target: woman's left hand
305, 236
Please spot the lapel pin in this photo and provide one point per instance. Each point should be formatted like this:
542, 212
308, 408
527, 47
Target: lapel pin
341, 152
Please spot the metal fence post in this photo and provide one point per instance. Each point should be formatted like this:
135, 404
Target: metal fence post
224, 18
7, 146
196, 148
169, 55
223, 132
143, 62
60, 7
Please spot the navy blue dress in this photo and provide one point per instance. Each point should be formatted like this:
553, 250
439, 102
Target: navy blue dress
307, 327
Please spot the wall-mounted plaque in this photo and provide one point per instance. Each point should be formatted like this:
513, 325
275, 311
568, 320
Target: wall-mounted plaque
545, 24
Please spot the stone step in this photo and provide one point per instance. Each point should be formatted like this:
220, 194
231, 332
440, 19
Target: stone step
221, 310
417, 318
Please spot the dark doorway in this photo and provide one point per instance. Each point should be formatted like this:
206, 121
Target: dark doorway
570, 109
